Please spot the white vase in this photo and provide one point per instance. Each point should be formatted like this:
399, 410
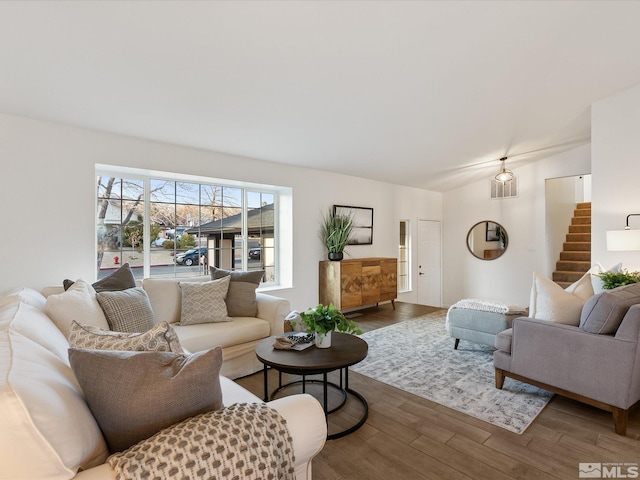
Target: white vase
323, 340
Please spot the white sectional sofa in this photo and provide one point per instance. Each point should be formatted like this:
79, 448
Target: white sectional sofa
48, 430
237, 338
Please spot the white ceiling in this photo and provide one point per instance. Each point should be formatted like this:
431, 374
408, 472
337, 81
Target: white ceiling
428, 94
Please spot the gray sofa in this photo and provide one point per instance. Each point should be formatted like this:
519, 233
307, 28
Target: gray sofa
596, 362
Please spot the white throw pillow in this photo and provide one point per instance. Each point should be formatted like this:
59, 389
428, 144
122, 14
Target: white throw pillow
582, 288
79, 303
549, 301
596, 281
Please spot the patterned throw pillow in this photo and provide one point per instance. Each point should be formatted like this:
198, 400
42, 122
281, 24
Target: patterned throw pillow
161, 338
245, 440
127, 310
134, 395
241, 298
203, 302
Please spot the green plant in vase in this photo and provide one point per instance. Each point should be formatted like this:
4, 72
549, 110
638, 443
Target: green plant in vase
335, 232
617, 279
324, 319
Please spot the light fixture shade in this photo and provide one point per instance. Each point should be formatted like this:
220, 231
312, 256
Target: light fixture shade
623, 240
504, 175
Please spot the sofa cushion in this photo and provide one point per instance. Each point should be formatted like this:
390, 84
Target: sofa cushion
160, 338
549, 301
194, 338
203, 302
241, 299
127, 310
78, 303
47, 429
26, 295
121, 279
133, 395
604, 312
165, 296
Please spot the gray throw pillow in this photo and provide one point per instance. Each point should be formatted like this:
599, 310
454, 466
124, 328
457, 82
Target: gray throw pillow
133, 395
203, 302
121, 279
241, 298
127, 310
161, 338
603, 313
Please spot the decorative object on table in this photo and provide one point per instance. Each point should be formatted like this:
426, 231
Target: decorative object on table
335, 232
612, 280
362, 231
324, 319
294, 341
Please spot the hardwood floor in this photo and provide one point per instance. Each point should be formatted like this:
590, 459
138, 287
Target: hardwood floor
408, 437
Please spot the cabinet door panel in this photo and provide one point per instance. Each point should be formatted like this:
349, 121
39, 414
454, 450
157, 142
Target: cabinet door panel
351, 285
370, 284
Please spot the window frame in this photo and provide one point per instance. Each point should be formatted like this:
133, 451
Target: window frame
247, 188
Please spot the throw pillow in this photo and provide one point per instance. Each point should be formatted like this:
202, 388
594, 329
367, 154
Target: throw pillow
603, 313
582, 288
133, 395
77, 303
241, 299
549, 301
127, 310
121, 279
161, 338
203, 302
242, 441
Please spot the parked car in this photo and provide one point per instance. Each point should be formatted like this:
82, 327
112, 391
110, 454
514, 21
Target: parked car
254, 253
190, 257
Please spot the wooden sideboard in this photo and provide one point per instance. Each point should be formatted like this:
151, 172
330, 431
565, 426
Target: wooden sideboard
358, 282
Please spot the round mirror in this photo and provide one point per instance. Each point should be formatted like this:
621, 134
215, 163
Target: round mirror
487, 240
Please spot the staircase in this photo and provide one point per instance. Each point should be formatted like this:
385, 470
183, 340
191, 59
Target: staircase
575, 258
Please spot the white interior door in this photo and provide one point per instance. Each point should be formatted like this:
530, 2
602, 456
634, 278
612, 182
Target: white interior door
429, 263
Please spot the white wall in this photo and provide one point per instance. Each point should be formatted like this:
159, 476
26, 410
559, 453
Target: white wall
47, 188
615, 142
508, 278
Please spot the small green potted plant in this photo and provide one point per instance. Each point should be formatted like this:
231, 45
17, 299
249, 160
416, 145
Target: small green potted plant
324, 319
617, 279
335, 232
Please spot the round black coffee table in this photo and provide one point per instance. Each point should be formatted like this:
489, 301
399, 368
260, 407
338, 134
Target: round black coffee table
345, 350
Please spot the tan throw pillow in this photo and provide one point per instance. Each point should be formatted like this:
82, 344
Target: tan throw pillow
127, 310
121, 279
161, 338
203, 302
241, 299
78, 303
133, 395
549, 301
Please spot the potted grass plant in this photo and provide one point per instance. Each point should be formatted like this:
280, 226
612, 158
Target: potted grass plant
324, 319
335, 232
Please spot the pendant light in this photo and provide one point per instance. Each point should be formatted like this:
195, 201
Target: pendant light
504, 175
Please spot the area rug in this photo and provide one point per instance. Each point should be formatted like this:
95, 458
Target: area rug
417, 356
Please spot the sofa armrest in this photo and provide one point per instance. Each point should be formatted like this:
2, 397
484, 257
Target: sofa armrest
273, 310
568, 357
307, 426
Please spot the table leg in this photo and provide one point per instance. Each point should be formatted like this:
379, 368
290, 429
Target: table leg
266, 383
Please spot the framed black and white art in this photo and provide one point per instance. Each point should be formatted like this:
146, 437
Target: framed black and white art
362, 233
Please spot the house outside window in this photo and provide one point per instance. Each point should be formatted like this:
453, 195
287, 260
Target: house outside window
165, 227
